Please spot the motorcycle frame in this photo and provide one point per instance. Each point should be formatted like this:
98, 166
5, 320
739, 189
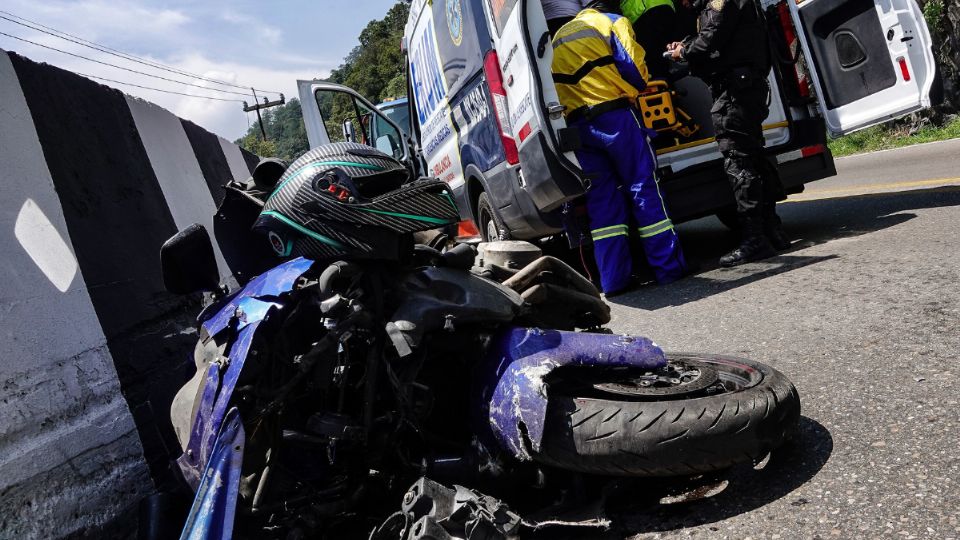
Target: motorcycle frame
512, 391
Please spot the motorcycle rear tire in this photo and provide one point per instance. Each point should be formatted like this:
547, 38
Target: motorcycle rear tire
619, 435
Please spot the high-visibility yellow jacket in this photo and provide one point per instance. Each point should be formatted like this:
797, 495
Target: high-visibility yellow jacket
597, 59
633, 9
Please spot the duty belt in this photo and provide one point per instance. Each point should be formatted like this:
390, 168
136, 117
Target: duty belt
589, 112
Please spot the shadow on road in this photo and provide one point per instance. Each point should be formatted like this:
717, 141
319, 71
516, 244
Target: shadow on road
819, 221
709, 283
641, 507
809, 223
789, 468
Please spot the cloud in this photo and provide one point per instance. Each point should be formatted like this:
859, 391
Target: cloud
225, 118
228, 119
99, 19
232, 47
266, 33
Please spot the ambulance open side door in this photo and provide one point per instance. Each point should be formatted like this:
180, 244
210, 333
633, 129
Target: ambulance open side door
337, 113
872, 60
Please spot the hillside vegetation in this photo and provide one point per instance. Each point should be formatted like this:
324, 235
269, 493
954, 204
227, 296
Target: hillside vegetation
374, 68
894, 136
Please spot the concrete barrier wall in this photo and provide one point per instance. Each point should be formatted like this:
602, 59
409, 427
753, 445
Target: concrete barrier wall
92, 348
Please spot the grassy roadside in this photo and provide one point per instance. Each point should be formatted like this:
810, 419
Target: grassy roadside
884, 137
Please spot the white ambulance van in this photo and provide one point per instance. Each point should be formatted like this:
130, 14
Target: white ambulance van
485, 117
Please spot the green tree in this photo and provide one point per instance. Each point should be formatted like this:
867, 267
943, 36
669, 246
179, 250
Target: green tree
286, 134
253, 143
375, 69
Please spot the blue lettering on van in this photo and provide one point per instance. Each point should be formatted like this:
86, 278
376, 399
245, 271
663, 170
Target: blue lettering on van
431, 127
522, 109
427, 78
437, 140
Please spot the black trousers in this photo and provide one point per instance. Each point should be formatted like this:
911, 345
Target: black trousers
738, 112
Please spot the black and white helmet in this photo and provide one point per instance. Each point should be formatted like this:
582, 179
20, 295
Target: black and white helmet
348, 200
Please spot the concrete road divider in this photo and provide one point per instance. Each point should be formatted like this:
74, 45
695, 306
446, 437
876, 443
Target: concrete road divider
92, 348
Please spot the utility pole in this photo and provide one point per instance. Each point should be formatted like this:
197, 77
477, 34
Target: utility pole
265, 105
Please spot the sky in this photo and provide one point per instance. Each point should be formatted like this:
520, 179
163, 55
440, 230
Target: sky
267, 45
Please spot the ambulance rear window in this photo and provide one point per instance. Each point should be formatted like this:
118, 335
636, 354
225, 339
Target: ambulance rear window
501, 10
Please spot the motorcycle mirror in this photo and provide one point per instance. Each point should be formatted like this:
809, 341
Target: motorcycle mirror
188, 263
349, 132
267, 173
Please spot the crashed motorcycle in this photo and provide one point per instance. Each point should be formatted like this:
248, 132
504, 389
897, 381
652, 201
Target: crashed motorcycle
359, 351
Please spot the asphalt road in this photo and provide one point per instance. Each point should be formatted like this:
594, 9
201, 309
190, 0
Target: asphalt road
914, 167
863, 315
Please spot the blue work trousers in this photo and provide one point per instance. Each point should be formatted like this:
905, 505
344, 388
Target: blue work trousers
617, 158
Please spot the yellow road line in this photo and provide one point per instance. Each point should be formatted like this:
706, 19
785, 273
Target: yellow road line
870, 188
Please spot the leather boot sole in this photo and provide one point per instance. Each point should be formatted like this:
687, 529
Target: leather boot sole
758, 256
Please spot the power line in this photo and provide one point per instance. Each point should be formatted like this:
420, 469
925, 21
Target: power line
87, 58
114, 52
159, 89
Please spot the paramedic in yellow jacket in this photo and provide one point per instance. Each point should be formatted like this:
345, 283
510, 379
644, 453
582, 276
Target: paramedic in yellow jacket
599, 69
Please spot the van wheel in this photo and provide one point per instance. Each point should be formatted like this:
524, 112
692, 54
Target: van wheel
491, 229
728, 216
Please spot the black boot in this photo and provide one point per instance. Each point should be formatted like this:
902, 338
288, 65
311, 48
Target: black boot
753, 247
773, 228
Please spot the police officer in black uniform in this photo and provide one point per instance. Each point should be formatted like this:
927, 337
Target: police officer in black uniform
732, 55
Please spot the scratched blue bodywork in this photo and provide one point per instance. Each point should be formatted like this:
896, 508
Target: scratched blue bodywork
246, 308
214, 506
265, 287
211, 413
520, 358
211, 464
190, 462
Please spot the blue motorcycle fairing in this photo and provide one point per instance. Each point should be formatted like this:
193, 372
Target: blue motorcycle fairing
270, 284
190, 461
210, 416
249, 306
521, 358
214, 506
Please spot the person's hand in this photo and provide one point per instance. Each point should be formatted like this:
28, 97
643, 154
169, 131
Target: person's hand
676, 50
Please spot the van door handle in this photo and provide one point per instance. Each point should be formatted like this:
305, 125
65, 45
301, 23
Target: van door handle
555, 110
542, 46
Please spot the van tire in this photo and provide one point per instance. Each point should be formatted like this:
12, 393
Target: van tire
488, 221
